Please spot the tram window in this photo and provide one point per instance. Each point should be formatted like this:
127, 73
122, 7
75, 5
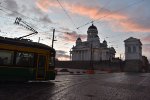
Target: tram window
24, 59
6, 57
52, 59
41, 61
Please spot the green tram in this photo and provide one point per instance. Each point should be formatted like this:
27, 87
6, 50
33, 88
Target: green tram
24, 60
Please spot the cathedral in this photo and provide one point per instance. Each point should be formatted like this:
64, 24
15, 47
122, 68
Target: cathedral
92, 49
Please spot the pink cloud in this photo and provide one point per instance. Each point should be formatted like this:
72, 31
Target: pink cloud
43, 5
61, 55
91, 12
72, 36
129, 25
146, 47
94, 13
146, 39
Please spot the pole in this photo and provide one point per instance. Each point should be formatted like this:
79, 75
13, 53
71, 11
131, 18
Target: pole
92, 57
70, 54
53, 38
39, 40
91, 68
120, 56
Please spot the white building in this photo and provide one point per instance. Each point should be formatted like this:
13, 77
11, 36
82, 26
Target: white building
133, 55
133, 49
92, 49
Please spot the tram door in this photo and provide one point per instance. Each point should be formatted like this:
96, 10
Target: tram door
41, 67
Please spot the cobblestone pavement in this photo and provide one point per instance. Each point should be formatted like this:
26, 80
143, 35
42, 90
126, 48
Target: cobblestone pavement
111, 86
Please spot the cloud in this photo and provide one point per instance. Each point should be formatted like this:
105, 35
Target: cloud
11, 4
134, 25
65, 29
45, 19
61, 52
123, 20
61, 55
146, 47
92, 12
146, 39
43, 5
71, 36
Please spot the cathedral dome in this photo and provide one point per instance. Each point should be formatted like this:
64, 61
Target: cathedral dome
92, 27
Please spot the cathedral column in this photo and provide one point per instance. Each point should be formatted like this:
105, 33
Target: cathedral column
82, 55
75, 55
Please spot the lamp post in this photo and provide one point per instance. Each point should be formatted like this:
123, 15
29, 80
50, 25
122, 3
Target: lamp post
91, 60
53, 38
70, 54
91, 69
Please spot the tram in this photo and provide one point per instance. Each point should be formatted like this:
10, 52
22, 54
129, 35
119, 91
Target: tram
24, 60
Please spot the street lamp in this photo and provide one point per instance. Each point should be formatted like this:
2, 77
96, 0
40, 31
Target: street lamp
91, 69
70, 54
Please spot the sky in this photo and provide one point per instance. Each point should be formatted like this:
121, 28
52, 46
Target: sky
116, 20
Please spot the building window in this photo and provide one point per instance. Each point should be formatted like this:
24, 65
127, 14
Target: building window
134, 49
6, 57
24, 59
129, 49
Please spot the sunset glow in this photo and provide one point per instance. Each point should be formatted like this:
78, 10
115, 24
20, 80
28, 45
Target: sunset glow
116, 21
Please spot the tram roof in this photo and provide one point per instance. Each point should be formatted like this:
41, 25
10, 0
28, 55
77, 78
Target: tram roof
25, 42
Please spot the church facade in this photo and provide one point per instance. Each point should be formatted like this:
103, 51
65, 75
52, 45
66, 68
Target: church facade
92, 49
133, 49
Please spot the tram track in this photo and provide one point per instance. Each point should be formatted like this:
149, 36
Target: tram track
50, 92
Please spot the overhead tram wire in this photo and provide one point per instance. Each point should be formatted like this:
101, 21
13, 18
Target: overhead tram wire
130, 5
22, 15
67, 16
107, 3
34, 19
66, 13
98, 20
17, 13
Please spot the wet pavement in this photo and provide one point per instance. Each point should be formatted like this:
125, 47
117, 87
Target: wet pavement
110, 86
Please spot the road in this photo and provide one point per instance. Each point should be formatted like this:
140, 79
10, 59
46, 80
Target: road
110, 86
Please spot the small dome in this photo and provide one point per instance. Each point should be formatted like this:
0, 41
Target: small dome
78, 38
112, 48
92, 27
104, 41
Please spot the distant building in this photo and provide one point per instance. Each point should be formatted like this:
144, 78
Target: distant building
92, 49
133, 54
133, 49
